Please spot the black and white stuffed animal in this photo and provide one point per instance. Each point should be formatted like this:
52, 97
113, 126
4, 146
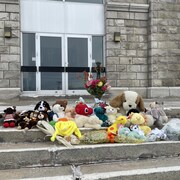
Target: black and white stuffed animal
42, 106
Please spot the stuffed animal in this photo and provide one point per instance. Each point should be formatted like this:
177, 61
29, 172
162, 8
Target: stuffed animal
62, 102
29, 120
111, 113
149, 121
58, 111
126, 135
156, 134
42, 106
128, 100
138, 119
113, 129
136, 128
65, 128
100, 113
158, 114
83, 109
88, 121
9, 117
70, 113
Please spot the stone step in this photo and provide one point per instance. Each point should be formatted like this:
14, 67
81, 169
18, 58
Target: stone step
19, 155
161, 168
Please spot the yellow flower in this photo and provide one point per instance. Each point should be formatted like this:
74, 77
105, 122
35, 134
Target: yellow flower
100, 84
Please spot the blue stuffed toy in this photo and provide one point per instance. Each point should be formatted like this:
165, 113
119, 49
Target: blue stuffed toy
100, 113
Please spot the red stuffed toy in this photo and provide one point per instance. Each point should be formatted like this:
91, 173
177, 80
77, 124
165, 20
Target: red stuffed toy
82, 109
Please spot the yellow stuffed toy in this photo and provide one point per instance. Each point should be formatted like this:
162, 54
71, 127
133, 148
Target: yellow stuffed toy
113, 129
65, 128
136, 118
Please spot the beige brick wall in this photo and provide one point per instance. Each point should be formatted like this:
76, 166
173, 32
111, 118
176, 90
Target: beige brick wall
10, 47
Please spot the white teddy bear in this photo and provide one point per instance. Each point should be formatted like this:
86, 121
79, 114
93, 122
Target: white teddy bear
58, 111
111, 113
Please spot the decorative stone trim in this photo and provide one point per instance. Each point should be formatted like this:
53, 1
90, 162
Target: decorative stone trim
9, 1
130, 7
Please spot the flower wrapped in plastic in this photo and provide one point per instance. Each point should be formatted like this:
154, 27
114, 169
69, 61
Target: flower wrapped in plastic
96, 87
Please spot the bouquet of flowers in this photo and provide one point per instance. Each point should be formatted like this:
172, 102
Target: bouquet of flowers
96, 87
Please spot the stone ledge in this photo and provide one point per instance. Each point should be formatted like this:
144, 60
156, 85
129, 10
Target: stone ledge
9, 1
149, 92
51, 154
130, 7
9, 93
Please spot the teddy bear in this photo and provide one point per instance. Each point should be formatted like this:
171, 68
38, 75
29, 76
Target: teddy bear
88, 121
70, 113
9, 117
158, 114
149, 120
100, 113
62, 102
111, 113
127, 100
29, 120
58, 111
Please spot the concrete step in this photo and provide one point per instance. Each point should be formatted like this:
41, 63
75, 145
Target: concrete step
149, 169
18, 155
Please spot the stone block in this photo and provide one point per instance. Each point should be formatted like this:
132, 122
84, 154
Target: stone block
131, 53
14, 50
121, 68
111, 14
4, 66
8, 93
14, 83
10, 58
4, 83
141, 76
12, 74
111, 68
4, 49
124, 75
12, 8
141, 16
14, 17
12, 42
123, 15
158, 92
14, 66
4, 16
133, 68
174, 91
112, 60
2, 7
119, 22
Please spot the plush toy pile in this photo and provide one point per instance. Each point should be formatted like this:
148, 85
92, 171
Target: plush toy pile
123, 120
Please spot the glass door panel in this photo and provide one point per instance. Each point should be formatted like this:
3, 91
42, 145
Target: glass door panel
29, 62
77, 59
50, 58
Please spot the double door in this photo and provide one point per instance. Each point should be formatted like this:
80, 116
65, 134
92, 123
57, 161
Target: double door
54, 64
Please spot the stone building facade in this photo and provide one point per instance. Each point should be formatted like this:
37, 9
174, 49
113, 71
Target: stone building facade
146, 59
